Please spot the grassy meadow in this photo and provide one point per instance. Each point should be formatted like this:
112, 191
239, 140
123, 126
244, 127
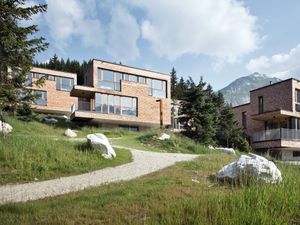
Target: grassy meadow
186, 193
39, 151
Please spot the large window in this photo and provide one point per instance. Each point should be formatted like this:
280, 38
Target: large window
41, 97
244, 120
129, 106
157, 88
64, 84
113, 104
297, 105
260, 104
29, 79
108, 79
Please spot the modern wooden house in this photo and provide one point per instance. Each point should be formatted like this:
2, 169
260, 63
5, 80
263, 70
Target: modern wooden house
272, 119
55, 92
116, 95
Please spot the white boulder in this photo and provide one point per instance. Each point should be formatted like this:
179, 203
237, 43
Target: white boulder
5, 128
164, 137
226, 150
254, 166
70, 133
100, 141
49, 120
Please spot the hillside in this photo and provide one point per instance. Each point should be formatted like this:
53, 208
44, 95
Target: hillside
237, 92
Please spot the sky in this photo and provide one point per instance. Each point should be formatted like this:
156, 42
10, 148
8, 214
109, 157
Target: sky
220, 40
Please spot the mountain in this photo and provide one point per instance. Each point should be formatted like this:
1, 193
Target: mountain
237, 92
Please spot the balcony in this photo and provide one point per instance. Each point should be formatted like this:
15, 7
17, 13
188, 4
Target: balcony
277, 134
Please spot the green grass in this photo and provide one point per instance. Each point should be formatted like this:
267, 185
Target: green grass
25, 128
148, 141
24, 158
170, 197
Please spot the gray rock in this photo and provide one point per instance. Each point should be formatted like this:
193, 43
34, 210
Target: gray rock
5, 128
254, 166
70, 133
164, 137
49, 120
100, 141
226, 150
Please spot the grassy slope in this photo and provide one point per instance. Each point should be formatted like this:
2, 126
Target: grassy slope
177, 143
30, 152
170, 197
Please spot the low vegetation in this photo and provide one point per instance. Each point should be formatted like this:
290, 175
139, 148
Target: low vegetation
39, 151
182, 194
24, 159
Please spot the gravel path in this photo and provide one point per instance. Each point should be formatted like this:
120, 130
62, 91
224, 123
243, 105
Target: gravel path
143, 163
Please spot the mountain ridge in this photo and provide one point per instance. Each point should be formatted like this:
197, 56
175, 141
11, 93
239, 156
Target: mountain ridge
238, 91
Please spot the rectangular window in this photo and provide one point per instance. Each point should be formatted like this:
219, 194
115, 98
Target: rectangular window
117, 105
29, 79
133, 78
108, 79
157, 88
129, 106
104, 103
111, 104
142, 80
260, 104
51, 78
125, 76
244, 119
297, 99
39, 76
149, 81
41, 97
296, 153
64, 84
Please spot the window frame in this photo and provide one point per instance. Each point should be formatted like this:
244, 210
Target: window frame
44, 96
260, 104
116, 84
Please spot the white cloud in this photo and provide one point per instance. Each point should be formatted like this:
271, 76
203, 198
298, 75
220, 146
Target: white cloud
123, 33
223, 29
68, 19
282, 65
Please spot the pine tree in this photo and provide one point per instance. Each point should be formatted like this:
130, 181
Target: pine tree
17, 50
173, 83
198, 113
181, 88
228, 132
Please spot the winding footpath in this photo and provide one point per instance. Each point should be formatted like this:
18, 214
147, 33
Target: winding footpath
143, 163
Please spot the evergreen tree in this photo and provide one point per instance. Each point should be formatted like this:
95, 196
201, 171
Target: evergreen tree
18, 46
228, 133
198, 113
173, 83
181, 88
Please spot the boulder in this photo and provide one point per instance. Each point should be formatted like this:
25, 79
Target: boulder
5, 128
226, 150
49, 120
253, 166
164, 137
70, 133
100, 141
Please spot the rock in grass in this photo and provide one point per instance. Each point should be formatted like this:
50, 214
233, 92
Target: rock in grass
100, 141
226, 150
254, 166
5, 128
49, 120
164, 137
70, 133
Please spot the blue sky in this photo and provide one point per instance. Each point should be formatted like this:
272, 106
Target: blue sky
220, 40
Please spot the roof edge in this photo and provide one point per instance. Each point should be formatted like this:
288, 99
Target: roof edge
133, 67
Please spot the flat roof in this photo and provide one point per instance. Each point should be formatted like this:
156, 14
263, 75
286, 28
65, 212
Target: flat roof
132, 67
241, 105
279, 82
53, 72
